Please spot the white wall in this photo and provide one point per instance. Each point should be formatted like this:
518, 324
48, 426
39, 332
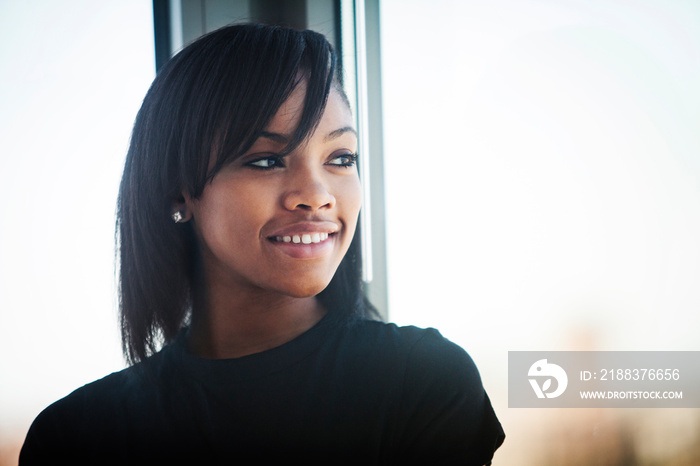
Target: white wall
73, 74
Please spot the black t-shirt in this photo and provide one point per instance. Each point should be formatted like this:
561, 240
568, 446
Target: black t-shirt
363, 393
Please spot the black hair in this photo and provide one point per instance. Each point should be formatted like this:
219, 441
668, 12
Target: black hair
210, 101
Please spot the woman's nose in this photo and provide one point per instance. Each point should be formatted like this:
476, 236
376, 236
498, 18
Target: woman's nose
307, 190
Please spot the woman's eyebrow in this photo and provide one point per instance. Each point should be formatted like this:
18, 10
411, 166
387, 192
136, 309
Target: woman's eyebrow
276, 137
283, 139
339, 132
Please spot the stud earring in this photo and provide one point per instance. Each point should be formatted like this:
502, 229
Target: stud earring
177, 216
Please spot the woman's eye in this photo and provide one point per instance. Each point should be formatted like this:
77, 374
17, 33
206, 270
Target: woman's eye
343, 160
266, 163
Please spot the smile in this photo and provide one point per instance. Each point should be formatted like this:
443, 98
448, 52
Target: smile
307, 238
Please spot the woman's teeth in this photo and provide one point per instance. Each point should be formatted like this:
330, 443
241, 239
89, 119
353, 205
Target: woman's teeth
304, 239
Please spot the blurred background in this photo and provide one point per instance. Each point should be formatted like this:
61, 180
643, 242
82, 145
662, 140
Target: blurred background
537, 188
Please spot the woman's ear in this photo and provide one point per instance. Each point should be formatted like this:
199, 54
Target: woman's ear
181, 211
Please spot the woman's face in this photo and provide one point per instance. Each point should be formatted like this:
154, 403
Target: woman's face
283, 224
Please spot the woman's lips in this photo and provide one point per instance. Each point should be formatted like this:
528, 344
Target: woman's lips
305, 240
305, 228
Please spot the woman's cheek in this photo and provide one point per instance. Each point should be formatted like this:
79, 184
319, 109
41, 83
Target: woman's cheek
354, 196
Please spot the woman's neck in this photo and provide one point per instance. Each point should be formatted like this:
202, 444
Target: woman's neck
232, 324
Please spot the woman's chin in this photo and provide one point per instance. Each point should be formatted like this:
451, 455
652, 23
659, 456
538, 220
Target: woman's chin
306, 292
302, 287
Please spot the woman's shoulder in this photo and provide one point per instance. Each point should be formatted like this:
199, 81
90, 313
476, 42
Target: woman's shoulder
59, 426
88, 415
99, 394
443, 403
426, 349
420, 363
114, 386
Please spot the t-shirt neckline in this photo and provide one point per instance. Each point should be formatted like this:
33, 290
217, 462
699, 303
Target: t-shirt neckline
254, 365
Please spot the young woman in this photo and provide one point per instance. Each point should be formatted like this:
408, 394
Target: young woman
241, 300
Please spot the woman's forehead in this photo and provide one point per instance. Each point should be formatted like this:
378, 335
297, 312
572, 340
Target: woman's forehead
336, 115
